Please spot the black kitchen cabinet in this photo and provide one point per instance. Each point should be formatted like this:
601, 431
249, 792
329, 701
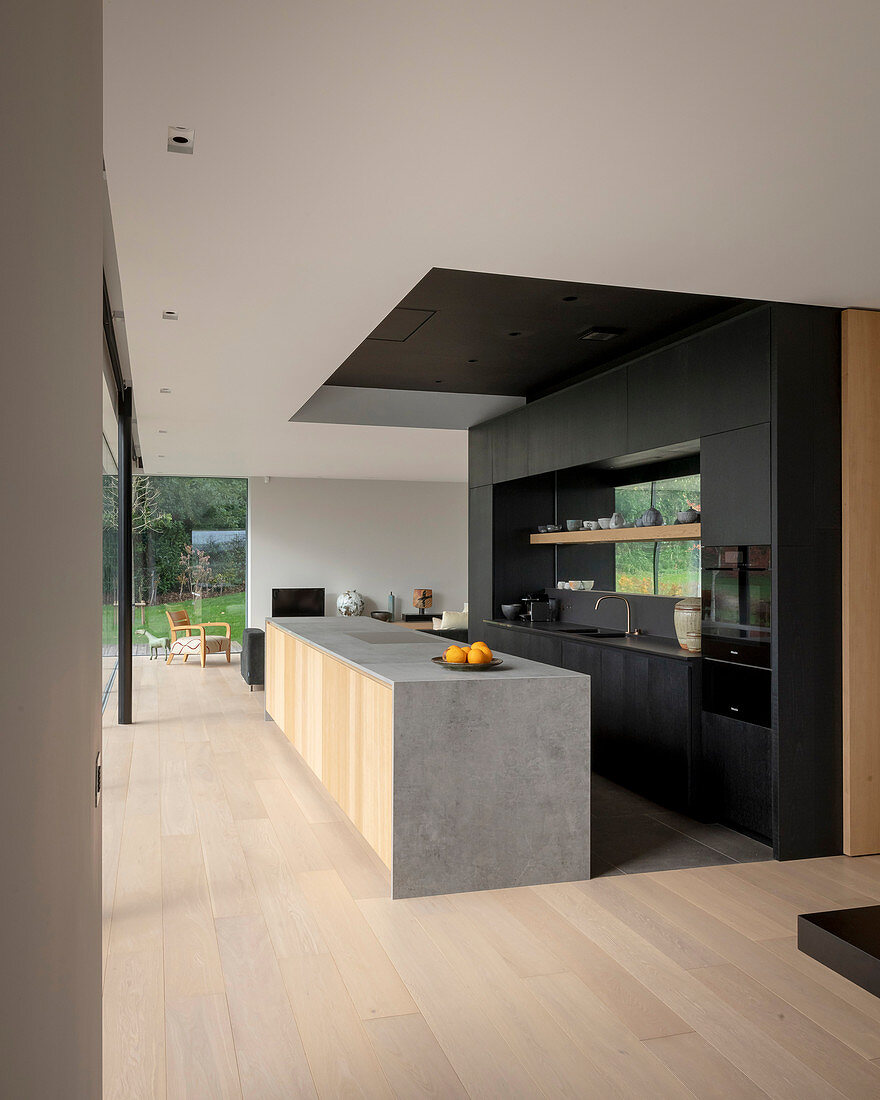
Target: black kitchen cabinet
735, 486
480, 454
716, 380
496, 637
544, 648
729, 365
479, 554
584, 423
510, 445
643, 720
734, 775
658, 409
738, 691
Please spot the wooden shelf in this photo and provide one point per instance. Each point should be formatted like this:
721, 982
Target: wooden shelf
681, 531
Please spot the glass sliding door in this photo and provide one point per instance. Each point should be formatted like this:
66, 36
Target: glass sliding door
110, 556
189, 552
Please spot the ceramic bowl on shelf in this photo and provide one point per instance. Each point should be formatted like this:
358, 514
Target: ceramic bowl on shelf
574, 524
581, 586
542, 529
591, 525
604, 523
553, 528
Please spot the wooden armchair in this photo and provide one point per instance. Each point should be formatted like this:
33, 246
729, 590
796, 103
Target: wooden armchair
196, 638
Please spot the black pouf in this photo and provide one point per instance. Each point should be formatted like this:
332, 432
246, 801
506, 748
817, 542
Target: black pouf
253, 656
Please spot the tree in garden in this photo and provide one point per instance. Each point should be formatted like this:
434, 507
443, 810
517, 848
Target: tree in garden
146, 514
196, 570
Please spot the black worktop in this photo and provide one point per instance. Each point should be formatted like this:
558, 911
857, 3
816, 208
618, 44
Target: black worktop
640, 643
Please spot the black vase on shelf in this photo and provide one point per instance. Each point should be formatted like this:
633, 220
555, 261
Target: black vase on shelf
651, 518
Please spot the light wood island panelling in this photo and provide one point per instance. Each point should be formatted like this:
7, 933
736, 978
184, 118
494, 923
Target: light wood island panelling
340, 721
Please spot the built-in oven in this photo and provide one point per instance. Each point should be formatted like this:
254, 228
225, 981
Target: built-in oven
736, 590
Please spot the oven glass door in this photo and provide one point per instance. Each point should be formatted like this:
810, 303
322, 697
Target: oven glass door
736, 594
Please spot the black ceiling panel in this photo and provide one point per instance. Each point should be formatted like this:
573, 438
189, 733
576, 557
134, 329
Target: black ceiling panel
472, 332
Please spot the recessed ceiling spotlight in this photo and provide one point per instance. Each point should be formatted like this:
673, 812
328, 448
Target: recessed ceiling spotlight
164, 389
438, 381
570, 298
473, 360
162, 431
514, 334
160, 456
181, 139
601, 334
169, 315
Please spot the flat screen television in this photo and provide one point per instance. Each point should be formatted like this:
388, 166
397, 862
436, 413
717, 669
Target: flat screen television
290, 602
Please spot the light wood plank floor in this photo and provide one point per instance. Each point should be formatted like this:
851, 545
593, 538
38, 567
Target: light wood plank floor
250, 948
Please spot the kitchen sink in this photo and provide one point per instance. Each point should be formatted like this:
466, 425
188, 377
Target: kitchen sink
591, 631
594, 631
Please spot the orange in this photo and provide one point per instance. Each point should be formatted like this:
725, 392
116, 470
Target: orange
455, 656
479, 656
482, 645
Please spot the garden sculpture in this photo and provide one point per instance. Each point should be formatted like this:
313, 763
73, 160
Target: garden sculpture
155, 643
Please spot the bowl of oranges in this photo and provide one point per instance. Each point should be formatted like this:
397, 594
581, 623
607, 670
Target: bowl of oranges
468, 658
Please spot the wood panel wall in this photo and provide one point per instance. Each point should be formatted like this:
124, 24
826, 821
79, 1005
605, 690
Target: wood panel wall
861, 581
340, 721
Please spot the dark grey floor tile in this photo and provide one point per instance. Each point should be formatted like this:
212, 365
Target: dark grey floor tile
599, 868
727, 841
646, 844
610, 800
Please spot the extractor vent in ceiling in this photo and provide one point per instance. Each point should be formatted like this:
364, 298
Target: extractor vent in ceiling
602, 334
400, 324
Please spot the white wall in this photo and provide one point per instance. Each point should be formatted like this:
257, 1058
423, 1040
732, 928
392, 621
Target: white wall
50, 552
375, 536
718, 148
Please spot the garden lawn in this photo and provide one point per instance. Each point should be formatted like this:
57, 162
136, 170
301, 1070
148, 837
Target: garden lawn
215, 609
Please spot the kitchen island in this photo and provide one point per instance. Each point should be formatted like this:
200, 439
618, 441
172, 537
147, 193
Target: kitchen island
459, 780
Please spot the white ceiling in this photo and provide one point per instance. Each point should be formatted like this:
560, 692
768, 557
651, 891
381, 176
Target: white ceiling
342, 149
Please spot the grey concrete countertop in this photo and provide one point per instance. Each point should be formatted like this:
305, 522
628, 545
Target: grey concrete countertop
651, 644
396, 655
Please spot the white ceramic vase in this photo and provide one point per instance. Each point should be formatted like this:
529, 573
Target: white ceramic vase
686, 616
350, 603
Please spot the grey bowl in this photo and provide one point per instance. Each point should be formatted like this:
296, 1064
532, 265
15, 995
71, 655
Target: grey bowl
574, 524
511, 610
384, 616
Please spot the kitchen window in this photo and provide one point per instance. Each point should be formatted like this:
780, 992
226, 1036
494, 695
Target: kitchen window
658, 568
